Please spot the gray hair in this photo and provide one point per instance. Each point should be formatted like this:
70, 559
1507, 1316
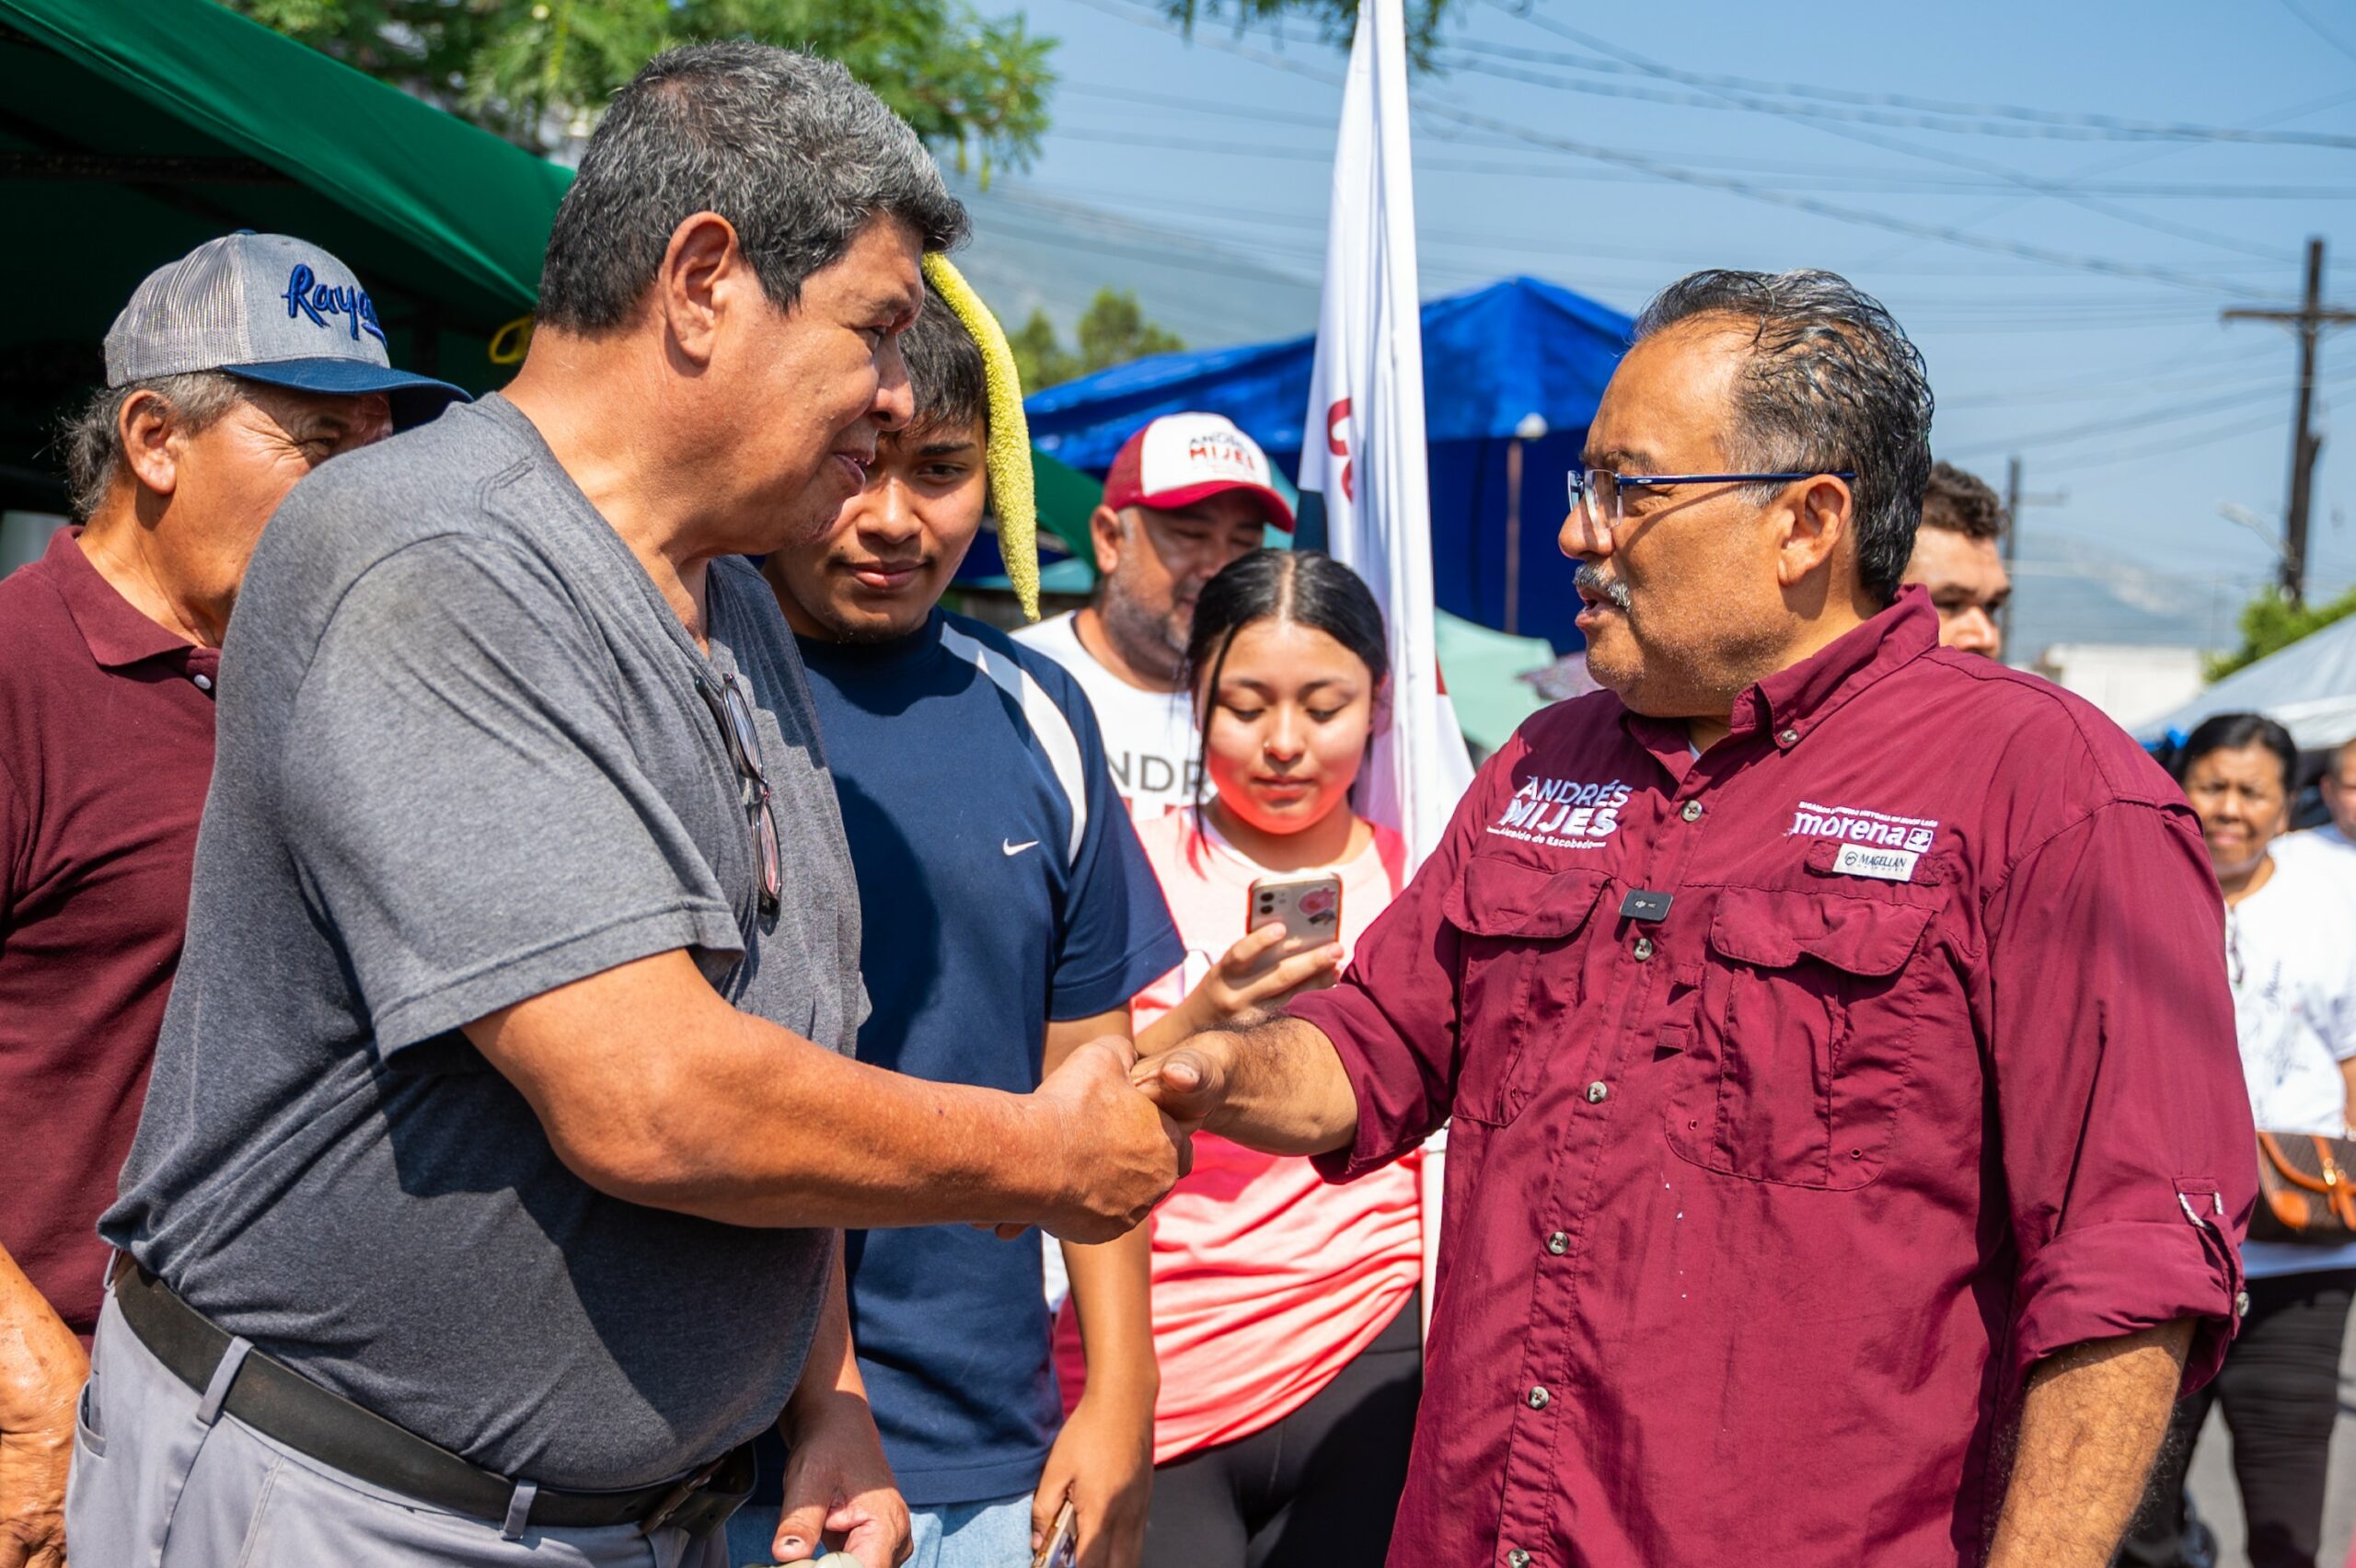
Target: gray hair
92, 435
1832, 384
788, 147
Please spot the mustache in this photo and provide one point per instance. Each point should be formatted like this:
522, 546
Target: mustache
1609, 589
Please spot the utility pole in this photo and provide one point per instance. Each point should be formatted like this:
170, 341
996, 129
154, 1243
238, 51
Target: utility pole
2014, 501
1531, 428
2308, 321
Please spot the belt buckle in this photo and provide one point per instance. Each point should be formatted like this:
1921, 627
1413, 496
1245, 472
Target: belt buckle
676, 1499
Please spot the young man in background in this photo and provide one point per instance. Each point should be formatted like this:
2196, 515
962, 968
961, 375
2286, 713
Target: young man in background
1959, 560
1009, 917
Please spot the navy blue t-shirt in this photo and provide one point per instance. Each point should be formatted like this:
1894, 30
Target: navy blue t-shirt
1001, 886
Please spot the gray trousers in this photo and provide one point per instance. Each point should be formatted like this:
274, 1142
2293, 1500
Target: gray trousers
162, 1480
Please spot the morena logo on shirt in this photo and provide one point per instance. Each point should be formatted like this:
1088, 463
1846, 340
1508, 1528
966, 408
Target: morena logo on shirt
1563, 812
1855, 825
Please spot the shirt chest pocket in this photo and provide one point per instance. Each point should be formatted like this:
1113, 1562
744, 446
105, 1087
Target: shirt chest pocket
1803, 1037
1518, 976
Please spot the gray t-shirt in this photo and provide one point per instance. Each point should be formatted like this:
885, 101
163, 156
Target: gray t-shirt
463, 761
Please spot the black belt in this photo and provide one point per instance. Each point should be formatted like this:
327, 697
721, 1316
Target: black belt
283, 1404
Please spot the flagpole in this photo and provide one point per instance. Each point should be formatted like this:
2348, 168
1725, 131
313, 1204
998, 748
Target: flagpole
1363, 451
1364, 448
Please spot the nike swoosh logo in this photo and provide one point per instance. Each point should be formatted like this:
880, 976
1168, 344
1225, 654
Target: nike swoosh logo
1009, 847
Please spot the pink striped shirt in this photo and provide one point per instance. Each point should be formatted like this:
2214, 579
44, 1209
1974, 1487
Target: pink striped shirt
1266, 1280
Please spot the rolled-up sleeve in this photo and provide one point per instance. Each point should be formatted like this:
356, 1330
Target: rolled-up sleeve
1392, 1018
2127, 1141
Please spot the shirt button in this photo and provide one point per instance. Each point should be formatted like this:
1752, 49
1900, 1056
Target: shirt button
1558, 1243
1789, 737
1540, 1399
2241, 1304
1643, 949
204, 683
1595, 1093
1517, 1557
1692, 811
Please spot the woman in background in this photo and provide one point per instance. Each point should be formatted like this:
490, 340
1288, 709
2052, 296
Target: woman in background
1284, 1311
2291, 955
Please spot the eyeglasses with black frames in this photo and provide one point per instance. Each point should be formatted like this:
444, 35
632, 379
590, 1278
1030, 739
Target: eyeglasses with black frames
728, 704
1600, 493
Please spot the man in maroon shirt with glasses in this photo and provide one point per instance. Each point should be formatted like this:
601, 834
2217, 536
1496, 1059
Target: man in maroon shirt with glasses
1849, 1150
232, 372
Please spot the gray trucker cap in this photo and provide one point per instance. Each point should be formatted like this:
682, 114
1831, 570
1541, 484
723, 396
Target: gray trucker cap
269, 308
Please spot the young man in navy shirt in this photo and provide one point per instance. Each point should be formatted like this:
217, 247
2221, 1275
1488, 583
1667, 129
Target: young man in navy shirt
1010, 917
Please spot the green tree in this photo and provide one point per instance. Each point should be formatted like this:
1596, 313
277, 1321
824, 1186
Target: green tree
1113, 331
1039, 358
1336, 19
2271, 623
537, 72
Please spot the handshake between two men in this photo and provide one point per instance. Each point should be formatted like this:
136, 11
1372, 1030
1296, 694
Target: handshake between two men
1276, 1086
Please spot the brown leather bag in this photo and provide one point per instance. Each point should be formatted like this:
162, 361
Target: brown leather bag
2306, 1189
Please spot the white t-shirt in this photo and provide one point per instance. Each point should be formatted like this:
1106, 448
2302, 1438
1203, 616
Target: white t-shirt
2325, 845
1150, 736
2291, 953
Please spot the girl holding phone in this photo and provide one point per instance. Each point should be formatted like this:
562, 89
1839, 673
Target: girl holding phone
1284, 1310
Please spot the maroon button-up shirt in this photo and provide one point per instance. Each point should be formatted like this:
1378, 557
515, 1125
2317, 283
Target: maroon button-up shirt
1764, 1192
106, 749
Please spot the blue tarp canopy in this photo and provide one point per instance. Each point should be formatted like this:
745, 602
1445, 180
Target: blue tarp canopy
1491, 358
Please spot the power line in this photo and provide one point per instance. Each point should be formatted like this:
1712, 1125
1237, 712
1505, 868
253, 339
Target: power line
1857, 176
1744, 189
2116, 383
2125, 423
2308, 321
2093, 126
2178, 444
2057, 189
2332, 39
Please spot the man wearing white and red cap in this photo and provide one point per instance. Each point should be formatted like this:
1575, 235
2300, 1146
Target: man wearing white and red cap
1187, 494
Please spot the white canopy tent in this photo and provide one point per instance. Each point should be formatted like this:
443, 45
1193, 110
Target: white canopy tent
2308, 687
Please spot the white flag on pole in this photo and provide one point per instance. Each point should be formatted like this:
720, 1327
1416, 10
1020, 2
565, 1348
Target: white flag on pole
1363, 442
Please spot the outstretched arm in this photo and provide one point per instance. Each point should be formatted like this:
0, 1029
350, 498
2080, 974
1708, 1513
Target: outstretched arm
2091, 1425
654, 1089
1276, 1086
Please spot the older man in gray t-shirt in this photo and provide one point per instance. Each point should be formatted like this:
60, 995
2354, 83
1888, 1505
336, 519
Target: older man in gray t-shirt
463, 761
505, 1111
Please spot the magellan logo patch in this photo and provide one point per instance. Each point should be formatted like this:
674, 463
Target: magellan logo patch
1854, 824
1563, 812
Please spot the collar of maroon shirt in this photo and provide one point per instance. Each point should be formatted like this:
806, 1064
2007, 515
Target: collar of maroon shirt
1793, 701
111, 627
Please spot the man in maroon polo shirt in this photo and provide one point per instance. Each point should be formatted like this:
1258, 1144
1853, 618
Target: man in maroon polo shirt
1848, 1152
230, 374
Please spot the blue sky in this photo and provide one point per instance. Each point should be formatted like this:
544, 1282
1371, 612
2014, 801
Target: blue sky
2101, 360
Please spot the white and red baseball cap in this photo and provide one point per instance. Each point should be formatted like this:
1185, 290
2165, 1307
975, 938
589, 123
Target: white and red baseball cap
1180, 459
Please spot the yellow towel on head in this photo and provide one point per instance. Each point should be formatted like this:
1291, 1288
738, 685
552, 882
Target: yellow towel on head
1008, 455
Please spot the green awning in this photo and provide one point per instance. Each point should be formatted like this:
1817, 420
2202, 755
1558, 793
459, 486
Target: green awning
1067, 498
133, 130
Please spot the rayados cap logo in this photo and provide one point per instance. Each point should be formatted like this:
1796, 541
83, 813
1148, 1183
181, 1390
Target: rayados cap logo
305, 295
1563, 812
